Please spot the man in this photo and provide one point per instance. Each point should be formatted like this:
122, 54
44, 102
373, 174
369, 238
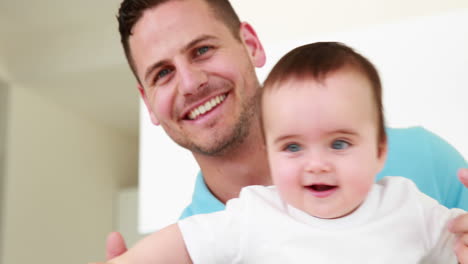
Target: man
194, 62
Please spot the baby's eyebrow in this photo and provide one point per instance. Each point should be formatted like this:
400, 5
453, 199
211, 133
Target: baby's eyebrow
343, 131
285, 137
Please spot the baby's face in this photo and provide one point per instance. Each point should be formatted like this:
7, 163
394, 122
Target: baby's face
322, 142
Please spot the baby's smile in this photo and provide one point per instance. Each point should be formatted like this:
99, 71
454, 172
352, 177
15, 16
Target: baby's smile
321, 190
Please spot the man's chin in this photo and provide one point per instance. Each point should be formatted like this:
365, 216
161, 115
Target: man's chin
217, 144
216, 147
210, 150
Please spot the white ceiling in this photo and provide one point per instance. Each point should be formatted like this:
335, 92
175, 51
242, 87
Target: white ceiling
69, 51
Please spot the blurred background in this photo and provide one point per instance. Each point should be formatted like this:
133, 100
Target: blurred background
69, 114
68, 129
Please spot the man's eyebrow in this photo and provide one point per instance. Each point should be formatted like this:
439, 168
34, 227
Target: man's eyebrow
190, 45
194, 42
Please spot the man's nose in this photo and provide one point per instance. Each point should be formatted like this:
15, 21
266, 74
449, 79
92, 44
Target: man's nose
192, 78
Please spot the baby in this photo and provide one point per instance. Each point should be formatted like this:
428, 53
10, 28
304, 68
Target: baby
324, 131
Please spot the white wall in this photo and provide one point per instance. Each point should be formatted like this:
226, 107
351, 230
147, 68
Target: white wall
127, 215
4, 96
423, 64
3, 123
423, 85
3, 71
60, 184
281, 20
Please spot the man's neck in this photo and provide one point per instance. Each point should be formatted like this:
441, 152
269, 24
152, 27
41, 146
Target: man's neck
227, 174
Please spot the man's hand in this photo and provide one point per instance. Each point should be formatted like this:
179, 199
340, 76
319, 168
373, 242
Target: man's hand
463, 176
459, 226
115, 245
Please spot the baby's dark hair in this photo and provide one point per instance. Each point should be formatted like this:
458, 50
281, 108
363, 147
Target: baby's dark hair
317, 60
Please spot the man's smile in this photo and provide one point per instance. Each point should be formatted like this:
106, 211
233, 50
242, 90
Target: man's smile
205, 107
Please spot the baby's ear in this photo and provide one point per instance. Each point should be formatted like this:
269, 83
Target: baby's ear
382, 150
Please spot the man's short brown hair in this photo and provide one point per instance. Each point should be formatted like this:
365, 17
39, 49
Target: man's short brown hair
131, 11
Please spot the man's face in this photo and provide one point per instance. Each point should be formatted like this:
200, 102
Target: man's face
198, 80
322, 142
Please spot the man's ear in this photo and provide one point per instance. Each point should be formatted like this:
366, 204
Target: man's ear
253, 44
148, 106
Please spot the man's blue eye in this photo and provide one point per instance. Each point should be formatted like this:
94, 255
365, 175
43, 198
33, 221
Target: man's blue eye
293, 148
202, 50
340, 144
163, 73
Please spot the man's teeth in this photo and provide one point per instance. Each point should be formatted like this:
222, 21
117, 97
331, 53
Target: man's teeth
206, 106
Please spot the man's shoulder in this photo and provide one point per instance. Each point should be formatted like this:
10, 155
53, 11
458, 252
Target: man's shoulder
428, 160
413, 132
203, 201
417, 145
405, 149
414, 145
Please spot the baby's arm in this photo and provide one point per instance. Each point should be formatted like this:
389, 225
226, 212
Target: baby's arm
164, 246
459, 227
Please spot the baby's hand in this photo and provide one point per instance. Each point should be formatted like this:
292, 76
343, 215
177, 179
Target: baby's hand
459, 226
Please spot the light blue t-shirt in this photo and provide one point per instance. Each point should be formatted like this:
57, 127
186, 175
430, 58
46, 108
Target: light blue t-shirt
414, 153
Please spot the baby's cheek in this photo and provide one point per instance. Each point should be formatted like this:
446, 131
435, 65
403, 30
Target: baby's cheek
284, 175
284, 183
360, 179
279, 179
364, 185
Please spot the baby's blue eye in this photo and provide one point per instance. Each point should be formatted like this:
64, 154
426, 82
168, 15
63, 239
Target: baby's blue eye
293, 148
340, 144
